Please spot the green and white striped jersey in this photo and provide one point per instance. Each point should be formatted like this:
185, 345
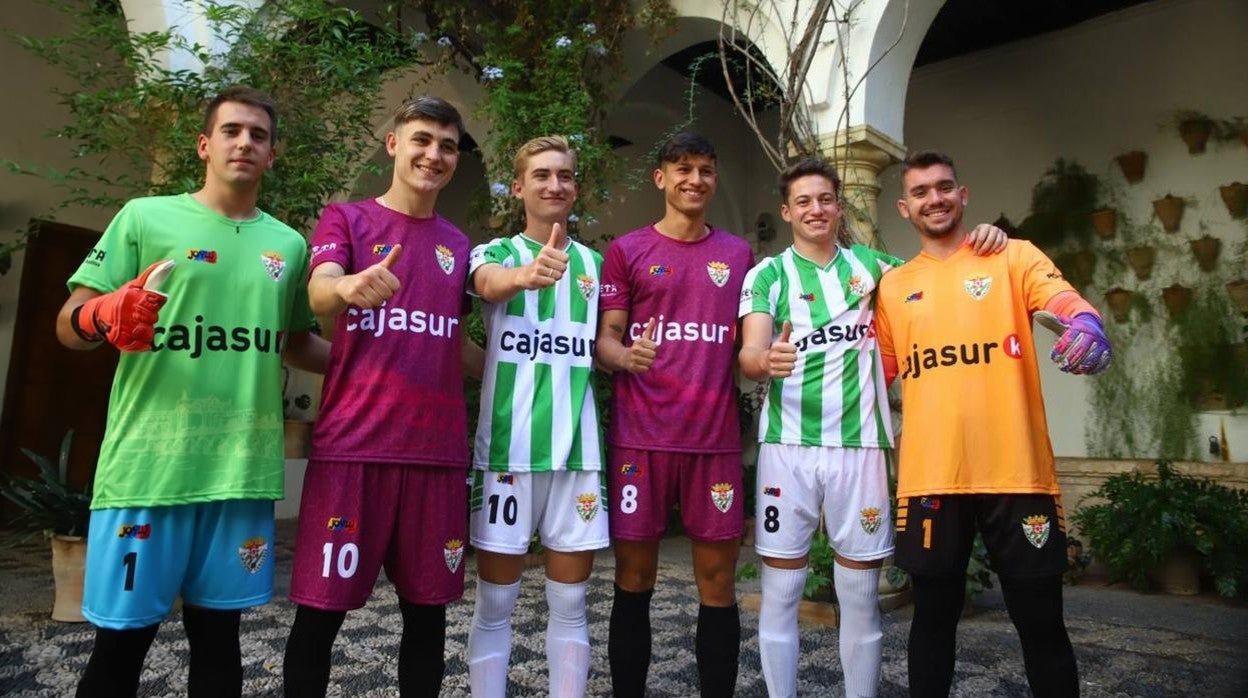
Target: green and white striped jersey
836, 394
538, 411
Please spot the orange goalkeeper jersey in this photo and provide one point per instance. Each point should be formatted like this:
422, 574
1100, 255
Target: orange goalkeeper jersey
960, 329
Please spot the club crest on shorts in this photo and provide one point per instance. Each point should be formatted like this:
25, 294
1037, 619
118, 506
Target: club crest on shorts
978, 286
274, 265
1036, 528
721, 495
585, 285
587, 506
446, 258
252, 553
856, 286
870, 519
453, 553
719, 273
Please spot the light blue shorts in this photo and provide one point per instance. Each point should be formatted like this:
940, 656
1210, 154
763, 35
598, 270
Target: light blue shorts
216, 555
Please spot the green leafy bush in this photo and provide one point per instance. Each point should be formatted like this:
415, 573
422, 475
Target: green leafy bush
1144, 520
48, 503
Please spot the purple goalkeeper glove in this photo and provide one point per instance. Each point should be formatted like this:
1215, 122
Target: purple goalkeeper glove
1081, 347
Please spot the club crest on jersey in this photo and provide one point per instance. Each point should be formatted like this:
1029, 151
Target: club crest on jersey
914, 297
771, 491
453, 553
341, 523
274, 265
978, 286
870, 519
1036, 528
719, 273
585, 285
446, 258
139, 531
207, 256
856, 286
631, 469
660, 270
721, 496
587, 506
252, 553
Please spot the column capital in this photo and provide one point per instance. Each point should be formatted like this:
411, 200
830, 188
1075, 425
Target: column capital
864, 145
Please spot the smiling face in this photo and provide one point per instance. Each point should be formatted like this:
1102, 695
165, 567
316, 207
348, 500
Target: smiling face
814, 211
238, 150
547, 186
688, 183
932, 200
425, 154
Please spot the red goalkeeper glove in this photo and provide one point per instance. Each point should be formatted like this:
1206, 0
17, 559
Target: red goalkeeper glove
126, 317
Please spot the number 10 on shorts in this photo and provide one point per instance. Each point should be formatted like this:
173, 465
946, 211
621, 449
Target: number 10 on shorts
348, 559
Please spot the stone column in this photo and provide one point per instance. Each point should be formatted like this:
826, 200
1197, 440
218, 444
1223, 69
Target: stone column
860, 153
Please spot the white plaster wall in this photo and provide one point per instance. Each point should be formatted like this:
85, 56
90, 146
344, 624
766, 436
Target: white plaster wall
1090, 93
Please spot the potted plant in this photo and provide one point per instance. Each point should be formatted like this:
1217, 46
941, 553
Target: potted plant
1205, 249
1176, 297
1235, 196
1169, 210
1062, 203
1213, 376
1236, 127
1132, 165
1195, 129
1105, 222
1119, 301
1143, 522
49, 505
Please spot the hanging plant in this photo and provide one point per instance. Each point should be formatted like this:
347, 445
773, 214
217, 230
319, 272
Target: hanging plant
1105, 222
1132, 165
1169, 210
1176, 297
1119, 301
1062, 203
1195, 129
1237, 291
1235, 196
1205, 249
1141, 259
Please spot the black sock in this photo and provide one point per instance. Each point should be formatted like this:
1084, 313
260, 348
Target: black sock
1035, 606
628, 642
422, 651
718, 645
933, 633
305, 669
116, 662
216, 661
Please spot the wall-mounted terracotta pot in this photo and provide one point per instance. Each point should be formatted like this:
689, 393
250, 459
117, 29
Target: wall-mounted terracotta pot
1141, 260
1195, 134
1235, 196
1176, 297
1206, 251
1169, 210
1105, 222
1132, 165
1119, 301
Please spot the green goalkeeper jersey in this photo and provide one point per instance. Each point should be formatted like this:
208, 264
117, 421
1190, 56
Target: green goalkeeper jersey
199, 417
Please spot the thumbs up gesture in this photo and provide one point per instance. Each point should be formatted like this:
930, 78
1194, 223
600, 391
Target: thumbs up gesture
641, 353
548, 266
372, 286
782, 357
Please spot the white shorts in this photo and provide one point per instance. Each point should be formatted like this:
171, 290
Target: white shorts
848, 485
567, 507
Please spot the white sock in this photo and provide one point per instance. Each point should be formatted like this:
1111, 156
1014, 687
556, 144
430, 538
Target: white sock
489, 639
567, 639
862, 634
777, 628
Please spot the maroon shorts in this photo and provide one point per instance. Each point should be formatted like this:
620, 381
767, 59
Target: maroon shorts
643, 486
355, 518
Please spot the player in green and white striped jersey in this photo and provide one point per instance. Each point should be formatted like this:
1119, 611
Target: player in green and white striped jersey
825, 424
538, 455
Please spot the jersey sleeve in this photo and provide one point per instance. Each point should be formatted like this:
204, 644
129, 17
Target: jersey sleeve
301, 317
115, 258
757, 289
331, 241
496, 251
616, 291
883, 328
1040, 278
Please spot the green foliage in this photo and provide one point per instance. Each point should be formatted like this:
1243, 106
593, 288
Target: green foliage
819, 584
549, 67
1210, 368
133, 122
49, 503
978, 571
1144, 520
1061, 205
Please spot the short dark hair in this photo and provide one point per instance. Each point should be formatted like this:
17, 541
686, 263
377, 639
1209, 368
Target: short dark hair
429, 108
924, 159
243, 95
805, 167
684, 143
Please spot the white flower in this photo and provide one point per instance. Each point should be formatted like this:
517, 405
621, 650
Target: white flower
598, 49
498, 190
589, 28
444, 41
420, 37
572, 218
492, 72
563, 42
577, 138
590, 221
